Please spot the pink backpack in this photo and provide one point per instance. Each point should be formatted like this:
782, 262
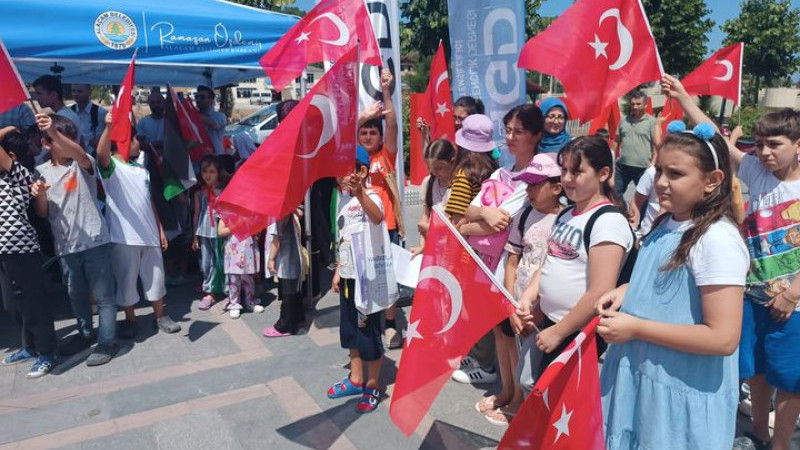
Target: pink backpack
493, 193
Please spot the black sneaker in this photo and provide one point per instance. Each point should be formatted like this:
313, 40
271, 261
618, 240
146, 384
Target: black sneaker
167, 325
102, 354
76, 344
127, 329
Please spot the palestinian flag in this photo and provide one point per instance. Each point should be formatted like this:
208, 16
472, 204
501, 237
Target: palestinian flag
178, 172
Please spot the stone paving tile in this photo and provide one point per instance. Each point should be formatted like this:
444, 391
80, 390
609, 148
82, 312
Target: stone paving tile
138, 439
204, 429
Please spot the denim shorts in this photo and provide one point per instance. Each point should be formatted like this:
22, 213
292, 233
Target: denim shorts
770, 348
357, 331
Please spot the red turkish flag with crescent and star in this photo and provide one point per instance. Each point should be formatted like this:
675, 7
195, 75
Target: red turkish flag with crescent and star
608, 119
599, 50
316, 140
13, 88
121, 112
456, 302
325, 33
439, 99
563, 410
721, 74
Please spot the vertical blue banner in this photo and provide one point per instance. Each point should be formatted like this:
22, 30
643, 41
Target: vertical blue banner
486, 37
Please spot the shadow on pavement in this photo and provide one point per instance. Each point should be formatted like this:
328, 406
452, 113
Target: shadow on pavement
443, 435
316, 431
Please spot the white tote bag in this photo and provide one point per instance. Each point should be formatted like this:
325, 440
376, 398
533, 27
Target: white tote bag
376, 288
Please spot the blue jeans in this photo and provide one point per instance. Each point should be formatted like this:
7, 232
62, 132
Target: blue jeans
624, 175
90, 271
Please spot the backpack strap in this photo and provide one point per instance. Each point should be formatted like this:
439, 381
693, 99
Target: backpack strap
524, 218
564, 211
587, 231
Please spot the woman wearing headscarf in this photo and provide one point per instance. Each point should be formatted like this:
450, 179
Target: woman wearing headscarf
555, 134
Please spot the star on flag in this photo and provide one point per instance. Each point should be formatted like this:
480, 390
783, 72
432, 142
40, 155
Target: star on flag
599, 47
303, 37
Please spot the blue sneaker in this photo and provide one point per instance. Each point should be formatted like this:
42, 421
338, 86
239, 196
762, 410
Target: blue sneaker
344, 388
19, 356
42, 366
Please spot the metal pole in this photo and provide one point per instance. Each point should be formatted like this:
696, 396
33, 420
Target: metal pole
307, 216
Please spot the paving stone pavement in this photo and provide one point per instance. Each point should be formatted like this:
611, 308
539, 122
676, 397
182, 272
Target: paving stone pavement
217, 384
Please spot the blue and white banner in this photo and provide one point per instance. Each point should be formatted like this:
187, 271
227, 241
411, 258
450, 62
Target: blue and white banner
486, 37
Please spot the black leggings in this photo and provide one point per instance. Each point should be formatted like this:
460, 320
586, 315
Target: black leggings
292, 312
25, 299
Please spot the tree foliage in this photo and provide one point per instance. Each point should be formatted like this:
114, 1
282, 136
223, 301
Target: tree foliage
681, 29
284, 6
424, 23
770, 30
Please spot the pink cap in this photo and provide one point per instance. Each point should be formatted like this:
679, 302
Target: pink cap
542, 167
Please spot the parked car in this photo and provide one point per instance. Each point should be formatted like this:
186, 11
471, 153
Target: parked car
258, 125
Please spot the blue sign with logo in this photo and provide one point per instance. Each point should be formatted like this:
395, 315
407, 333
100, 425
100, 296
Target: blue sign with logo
486, 37
185, 43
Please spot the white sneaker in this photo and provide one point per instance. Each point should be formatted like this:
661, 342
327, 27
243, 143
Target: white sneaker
475, 375
745, 407
235, 313
258, 309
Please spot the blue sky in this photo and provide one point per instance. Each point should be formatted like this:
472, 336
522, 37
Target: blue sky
721, 10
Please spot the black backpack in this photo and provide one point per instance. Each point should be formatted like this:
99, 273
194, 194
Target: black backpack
627, 266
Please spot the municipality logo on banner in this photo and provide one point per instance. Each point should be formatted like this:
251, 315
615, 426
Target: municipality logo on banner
115, 30
485, 40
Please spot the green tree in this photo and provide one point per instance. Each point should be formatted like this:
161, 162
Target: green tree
284, 6
681, 29
424, 23
770, 30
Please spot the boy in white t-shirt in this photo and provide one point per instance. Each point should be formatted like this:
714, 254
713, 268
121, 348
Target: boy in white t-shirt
359, 333
646, 200
136, 235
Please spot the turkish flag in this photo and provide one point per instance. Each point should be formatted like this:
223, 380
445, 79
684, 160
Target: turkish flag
609, 119
326, 33
13, 88
456, 302
721, 74
672, 111
193, 130
599, 50
316, 140
563, 411
121, 113
439, 99
418, 168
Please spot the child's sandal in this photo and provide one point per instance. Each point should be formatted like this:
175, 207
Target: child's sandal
369, 401
344, 388
487, 404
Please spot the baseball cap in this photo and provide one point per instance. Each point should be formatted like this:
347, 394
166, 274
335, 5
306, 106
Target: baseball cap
476, 133
361, 155
542, 167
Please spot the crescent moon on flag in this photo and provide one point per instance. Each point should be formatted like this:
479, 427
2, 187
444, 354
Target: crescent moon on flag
440, 80
453, 288
728, 70
328, 111
344, 33
625, 39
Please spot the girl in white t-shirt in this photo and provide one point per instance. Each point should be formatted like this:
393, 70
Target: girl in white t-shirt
586, 249
670, 378
441, 157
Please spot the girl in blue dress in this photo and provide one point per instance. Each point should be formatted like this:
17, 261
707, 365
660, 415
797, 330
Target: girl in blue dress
670, 378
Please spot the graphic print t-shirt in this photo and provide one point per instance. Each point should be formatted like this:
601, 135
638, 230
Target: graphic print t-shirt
772, 231
565, 275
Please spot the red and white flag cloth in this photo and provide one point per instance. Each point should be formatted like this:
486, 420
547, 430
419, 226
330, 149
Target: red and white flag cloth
672, 111
599, 50
316, 140
721, 74
439, 100
456, 302
563, 410
122, 111
326, 33
608, 119
13, 88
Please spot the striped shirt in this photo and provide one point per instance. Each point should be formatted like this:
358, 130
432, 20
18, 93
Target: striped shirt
461, 194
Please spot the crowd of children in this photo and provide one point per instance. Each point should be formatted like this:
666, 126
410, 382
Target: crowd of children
696, 293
